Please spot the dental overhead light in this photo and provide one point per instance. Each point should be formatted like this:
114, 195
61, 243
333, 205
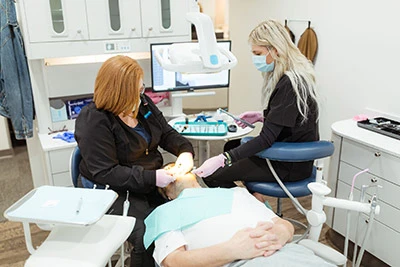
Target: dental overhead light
202, 57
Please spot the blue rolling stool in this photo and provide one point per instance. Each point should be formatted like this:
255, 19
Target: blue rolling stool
291, 152
74, 161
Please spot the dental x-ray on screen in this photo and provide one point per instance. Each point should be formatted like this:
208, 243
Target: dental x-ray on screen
163, 80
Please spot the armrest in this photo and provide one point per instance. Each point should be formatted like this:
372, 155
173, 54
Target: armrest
296, 152
325, 252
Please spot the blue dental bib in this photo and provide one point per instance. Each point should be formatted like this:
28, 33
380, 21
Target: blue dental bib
192, 206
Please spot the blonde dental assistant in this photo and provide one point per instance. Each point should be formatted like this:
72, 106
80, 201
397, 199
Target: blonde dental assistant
290, 114
119, 135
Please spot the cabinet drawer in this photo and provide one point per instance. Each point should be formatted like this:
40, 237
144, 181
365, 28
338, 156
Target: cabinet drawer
379, 163
59, 160
62, 179
383, 240
389, 193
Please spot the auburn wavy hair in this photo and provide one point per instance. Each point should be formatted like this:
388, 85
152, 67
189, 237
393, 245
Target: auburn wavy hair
117, 85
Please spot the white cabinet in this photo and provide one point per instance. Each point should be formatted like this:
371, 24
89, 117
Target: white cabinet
56, 20
66, 28
67, 40
5, 141
113, 19
57, 154
59, 166
75, 20
357, 149
164, 18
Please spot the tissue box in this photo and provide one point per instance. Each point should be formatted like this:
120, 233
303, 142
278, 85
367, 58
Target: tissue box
74, 107
58, 110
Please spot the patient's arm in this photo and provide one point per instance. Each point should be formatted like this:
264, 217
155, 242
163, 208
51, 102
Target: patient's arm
240, 246
276, 234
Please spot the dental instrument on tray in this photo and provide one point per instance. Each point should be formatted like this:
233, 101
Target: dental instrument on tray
236, 118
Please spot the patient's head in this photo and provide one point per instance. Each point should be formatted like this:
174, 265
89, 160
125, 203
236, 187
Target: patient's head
184, 181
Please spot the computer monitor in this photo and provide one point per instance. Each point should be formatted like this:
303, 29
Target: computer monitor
168, 81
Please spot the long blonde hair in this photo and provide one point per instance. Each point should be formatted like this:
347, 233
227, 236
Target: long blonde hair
288, 60
117, 86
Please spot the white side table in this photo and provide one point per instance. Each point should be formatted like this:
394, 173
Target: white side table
63, 206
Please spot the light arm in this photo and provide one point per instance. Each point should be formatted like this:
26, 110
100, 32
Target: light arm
316, 216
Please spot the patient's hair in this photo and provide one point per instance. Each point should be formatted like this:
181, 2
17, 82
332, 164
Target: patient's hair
179, 184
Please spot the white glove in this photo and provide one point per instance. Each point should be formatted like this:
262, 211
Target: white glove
210, 166
163, 178
184, 163
250, 117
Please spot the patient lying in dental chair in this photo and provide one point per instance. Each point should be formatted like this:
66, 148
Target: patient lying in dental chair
221, 227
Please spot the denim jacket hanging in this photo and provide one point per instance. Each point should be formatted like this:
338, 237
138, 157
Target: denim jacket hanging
16, 100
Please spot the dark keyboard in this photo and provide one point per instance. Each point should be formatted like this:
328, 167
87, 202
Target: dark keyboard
382, 125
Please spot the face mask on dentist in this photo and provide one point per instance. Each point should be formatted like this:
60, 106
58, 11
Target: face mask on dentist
261, 63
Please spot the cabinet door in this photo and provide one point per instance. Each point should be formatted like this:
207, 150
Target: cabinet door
56, 20
164, 18
113, 19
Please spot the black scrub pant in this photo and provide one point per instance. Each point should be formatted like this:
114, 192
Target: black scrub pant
255, 169
140, 207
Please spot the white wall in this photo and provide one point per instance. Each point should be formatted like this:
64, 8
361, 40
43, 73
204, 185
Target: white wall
358, 58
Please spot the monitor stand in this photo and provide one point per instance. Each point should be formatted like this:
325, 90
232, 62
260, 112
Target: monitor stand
176, 101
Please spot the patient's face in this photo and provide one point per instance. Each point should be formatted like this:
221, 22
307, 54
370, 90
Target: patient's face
182, 181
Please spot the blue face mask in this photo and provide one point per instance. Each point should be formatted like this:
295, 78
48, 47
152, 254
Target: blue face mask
261, 64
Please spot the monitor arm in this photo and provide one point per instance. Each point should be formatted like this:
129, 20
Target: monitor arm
202, 57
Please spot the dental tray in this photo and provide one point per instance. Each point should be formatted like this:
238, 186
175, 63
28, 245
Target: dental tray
201, 128
382, 125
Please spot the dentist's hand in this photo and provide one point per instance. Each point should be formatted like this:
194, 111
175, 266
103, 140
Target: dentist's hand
210, 166
250, 117
163, 178
184, 163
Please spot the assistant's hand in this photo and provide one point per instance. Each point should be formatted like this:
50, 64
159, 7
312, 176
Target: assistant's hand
210, 166
163, 178
184, 163
251, 117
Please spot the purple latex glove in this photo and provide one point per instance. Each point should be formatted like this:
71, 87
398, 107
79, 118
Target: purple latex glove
210, 166
163, 178
251, 117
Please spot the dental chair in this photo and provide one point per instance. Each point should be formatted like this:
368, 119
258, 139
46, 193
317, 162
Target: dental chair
291, 152
315, 185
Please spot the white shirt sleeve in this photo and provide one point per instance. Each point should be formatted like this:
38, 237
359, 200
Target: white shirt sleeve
167, 243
